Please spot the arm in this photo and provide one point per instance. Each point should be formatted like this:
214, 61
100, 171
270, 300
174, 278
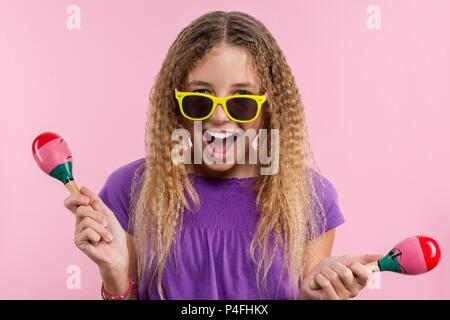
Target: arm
133, 266
118, 282
340, 277
319, 249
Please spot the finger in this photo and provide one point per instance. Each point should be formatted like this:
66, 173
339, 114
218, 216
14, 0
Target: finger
73, 201
363, 259
368, 258
100, 229
362, 273
336, 282
308, 294
328, 291
85, 212
94, 200
87, 237
347, 278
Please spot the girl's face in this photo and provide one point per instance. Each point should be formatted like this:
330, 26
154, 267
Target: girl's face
226, 70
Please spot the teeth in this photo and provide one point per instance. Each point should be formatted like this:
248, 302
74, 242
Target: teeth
219, 135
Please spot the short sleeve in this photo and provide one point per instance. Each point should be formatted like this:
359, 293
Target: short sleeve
332, 216
115, 193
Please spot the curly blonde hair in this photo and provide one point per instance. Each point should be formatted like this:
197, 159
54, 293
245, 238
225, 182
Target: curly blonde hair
286, 201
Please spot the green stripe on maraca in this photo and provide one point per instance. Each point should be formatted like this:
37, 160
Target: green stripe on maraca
390, 262
63, 172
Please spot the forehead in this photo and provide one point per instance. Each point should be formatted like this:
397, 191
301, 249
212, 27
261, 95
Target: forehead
225, 63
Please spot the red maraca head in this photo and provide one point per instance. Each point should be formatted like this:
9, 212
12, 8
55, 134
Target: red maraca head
414, 255
431, 251
53, 156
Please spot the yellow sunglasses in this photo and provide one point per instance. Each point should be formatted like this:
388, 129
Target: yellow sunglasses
200, 106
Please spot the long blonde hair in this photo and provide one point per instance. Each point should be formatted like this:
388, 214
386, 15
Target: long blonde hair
286, 201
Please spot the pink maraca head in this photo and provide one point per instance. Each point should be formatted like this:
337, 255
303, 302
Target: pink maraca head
414, 255
53, 156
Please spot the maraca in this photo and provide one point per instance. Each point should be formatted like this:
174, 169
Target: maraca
411, 256
53, 156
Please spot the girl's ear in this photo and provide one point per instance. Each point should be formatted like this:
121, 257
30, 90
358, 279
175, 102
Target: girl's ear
176, 90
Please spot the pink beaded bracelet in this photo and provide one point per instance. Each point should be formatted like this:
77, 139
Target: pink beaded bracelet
108, 296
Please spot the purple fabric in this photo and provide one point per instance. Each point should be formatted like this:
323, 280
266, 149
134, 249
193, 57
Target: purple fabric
213, 245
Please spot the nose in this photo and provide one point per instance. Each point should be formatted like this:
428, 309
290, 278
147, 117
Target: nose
219, 115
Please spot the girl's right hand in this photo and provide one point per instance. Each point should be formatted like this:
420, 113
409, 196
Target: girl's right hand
98, 233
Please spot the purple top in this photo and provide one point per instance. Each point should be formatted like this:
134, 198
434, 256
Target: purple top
213, 251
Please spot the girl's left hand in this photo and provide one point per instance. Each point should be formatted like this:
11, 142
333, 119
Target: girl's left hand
339, 277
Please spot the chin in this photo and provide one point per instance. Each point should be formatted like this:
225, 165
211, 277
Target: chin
223, 167
218, 168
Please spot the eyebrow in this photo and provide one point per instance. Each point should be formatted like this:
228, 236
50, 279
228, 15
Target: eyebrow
244, 84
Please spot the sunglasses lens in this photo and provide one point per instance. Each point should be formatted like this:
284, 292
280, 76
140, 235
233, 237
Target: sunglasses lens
243, 109
197, 107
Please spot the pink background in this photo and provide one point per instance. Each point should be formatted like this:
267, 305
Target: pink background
378, 104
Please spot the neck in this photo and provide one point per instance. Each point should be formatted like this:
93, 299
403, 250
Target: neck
237, 171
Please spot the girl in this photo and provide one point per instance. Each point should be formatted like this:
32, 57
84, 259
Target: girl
161, 229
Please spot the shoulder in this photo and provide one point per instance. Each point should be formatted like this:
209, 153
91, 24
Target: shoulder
115, 192
328, 197
324, 188
124, 174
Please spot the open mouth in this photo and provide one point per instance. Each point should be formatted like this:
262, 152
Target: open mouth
219, 142
213, 135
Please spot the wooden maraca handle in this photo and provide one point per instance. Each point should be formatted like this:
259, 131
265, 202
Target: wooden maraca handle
72, 187
373, 267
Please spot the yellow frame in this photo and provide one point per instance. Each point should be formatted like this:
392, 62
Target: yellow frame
180, 95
